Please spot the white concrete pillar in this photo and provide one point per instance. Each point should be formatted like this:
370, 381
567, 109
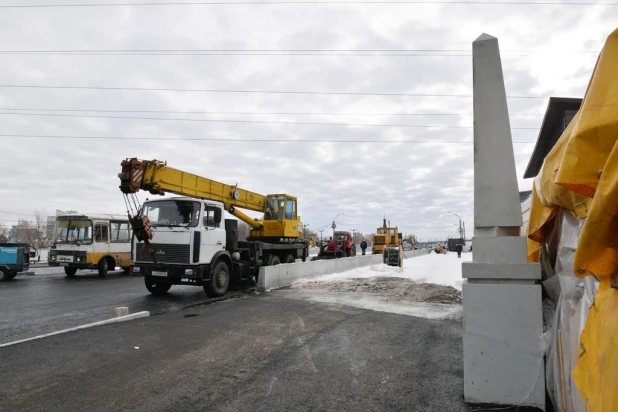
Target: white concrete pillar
503, 323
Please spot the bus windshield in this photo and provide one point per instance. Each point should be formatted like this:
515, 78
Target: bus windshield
172, 213
73, 231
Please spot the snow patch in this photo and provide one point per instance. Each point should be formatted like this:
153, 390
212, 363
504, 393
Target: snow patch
433, 268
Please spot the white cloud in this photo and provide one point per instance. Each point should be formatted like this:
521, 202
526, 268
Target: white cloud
413, 184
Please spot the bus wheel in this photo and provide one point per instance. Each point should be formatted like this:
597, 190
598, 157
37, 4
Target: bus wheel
157, 288
70, 272
219, 280
103, 267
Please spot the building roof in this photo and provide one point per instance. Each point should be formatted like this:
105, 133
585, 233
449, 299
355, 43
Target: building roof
524, 195
525, 198
550, 132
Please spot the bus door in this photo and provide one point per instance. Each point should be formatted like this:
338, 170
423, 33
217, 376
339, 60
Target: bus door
101, 241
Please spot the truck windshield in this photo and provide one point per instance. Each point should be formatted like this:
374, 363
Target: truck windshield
73, 231
171, 213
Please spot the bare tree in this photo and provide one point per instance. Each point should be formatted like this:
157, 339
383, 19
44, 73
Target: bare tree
33, 232
40, 229
243, 230
23, 232
4, 233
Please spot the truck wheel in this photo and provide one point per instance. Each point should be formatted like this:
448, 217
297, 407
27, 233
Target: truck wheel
157, 288
70, 272
274, 260
103, 267
290, 259
4, 275
219, 281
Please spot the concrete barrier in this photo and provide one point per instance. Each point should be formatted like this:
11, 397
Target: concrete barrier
279, 276
416, 253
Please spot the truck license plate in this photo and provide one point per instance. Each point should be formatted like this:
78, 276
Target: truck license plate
156, 273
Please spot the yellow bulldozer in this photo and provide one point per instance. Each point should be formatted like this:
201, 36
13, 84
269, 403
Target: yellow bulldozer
388, 242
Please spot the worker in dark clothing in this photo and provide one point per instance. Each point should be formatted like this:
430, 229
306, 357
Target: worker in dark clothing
458, 248
363, 246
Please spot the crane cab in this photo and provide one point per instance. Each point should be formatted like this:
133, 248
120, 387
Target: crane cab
280, 219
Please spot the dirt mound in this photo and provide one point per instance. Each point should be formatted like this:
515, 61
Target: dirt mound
392, 288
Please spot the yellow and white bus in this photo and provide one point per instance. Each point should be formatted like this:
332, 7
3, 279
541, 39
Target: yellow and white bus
96, 242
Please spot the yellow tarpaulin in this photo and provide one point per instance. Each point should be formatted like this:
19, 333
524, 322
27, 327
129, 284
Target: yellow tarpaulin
580, 174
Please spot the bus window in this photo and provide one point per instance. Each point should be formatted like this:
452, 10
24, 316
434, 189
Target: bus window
120, 232
100, 234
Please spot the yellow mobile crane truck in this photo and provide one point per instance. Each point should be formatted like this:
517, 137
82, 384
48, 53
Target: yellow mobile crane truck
181, 241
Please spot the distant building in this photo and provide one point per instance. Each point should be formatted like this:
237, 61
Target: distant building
51, 227
13, 234
525, 199
560, 111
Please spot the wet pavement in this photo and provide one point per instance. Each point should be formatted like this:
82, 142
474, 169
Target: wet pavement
260, 353
49, 301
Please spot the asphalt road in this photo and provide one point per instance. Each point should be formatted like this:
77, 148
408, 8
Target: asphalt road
260, 353
269, 352
49, 301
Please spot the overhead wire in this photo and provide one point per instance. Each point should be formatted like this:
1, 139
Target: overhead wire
289, 52
173, 89
405, 126
15, 213
242, 140
253, 113
314, 2
448, 51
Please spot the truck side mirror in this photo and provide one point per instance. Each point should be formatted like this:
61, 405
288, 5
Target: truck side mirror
217, 216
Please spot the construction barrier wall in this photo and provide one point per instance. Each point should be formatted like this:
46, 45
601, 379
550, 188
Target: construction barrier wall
274, 277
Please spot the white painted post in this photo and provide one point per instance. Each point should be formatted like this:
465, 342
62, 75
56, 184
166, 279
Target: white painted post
503, 320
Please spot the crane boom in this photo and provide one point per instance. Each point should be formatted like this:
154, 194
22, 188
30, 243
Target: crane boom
157, 178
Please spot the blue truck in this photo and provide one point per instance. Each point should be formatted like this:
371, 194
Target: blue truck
14, 259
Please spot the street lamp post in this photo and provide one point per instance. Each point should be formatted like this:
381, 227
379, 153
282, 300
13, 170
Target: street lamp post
334, 226
461, 229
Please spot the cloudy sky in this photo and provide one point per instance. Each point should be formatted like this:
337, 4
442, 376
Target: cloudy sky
352, 58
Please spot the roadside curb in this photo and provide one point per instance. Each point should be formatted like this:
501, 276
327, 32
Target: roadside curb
132, 316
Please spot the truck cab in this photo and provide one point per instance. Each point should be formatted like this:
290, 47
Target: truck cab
188, 237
